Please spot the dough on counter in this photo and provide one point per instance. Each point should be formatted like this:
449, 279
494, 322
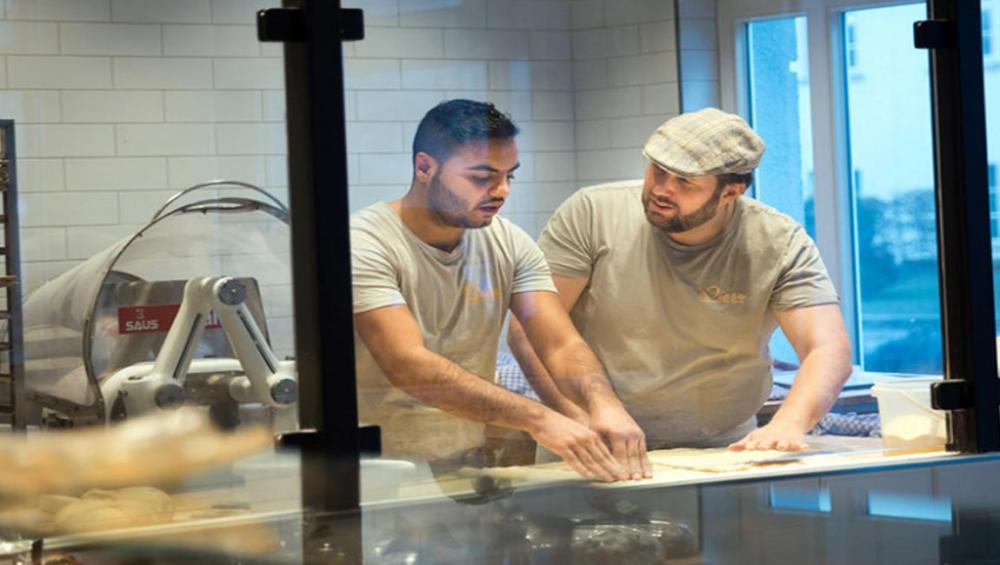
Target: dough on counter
107, 509
913, 430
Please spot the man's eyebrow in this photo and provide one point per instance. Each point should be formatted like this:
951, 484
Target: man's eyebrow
491, 169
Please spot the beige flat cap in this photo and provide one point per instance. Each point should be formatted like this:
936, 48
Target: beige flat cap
706, 142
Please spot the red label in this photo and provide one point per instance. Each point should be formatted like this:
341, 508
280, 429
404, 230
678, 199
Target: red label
155, 318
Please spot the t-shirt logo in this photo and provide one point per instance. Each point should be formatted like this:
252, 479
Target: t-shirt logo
474, 294
715, 295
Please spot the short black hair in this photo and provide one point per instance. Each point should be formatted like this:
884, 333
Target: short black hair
733, 178
453, 123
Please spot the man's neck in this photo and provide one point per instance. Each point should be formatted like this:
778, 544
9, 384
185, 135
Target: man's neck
425, 224
707, 231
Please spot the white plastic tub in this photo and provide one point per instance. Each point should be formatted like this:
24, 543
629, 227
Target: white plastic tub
904, 406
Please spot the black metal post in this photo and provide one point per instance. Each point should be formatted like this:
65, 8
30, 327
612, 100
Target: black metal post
953, 35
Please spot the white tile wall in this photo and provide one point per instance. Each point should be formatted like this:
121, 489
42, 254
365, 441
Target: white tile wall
211, 41
428, 74
251, 139
158, 11
85, 241
103, 106
262, 73
400, 43
184, 172
30, 107
40, 175
68, 209
528, 14
212, 106
381, 74
65, 140
239, 11
165, 139
44, 244
24, 38
3, 72
443, 13
58, 72
59, 10
117, 173
109, 39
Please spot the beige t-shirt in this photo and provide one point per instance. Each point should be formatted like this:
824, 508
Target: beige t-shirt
458, 298
683, 331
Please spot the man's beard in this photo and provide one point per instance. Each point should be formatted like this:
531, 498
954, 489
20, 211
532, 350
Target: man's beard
453, 210
682, 222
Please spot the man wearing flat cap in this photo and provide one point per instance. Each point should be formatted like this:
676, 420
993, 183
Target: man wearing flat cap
677, 282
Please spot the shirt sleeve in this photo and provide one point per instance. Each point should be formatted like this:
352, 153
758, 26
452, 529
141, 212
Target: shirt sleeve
373, 277
803, 280
566, 238
531, 272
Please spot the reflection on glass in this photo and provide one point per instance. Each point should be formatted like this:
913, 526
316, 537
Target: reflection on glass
809, 496
892, 183
778, 77
991, 86
913, 507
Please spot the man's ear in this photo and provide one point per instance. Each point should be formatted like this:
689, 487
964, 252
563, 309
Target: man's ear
733, 190
424, 166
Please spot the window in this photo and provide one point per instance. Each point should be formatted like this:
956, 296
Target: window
987, 32
852, 51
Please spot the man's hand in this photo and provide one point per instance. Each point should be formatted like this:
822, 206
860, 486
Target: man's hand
775, 435
580, 447
628, 443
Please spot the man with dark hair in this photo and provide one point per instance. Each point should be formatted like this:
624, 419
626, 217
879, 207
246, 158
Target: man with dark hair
679, 296
434, 275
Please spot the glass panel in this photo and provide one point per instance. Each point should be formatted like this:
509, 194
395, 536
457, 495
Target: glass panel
892, 184
991, 85
778, 77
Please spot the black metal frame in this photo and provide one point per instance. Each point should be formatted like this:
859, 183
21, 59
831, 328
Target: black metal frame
971, 390
11, 280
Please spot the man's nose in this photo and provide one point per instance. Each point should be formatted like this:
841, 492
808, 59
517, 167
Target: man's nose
501, 189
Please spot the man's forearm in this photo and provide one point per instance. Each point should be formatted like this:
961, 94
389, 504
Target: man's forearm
816, 387
580, 376
443, 384
539, 378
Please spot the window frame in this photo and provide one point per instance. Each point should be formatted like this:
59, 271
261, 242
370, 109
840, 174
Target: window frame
833, 197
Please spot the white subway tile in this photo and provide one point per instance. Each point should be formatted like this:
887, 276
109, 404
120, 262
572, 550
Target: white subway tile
138, 206
539, 196
386, 168
486, 44
658, 36
606, 42
546, 136
661, 99
608, 103
252, 139
273, 105
427, 74
276, 170
213, 40
526, 172
68, 209
28, 38
109, 39
514, 102
555, 166
165, 139
350, 105
362, 74
158, 11
97, 106
696, 94
249, 73
118, 173
378, 13
40, 175
375, 137
185, 172
633, 132
528, 14
443, 13
653, 68
3, 72
65, 140
609, 164
698, 34
542, 218
240, 11
400, 43
58, 72
162, 73
590, 74
551, 45
362, 196
43, 244
695, 9
593, 134
88, 241
212, 106
37, 273
525, 75
588, 14
410, 128
554, 105
620, 12
277, 49
59, 10
353, 170
32, 106
700, 65
396, 106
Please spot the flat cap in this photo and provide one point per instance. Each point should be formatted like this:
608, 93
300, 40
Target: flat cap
706, 142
